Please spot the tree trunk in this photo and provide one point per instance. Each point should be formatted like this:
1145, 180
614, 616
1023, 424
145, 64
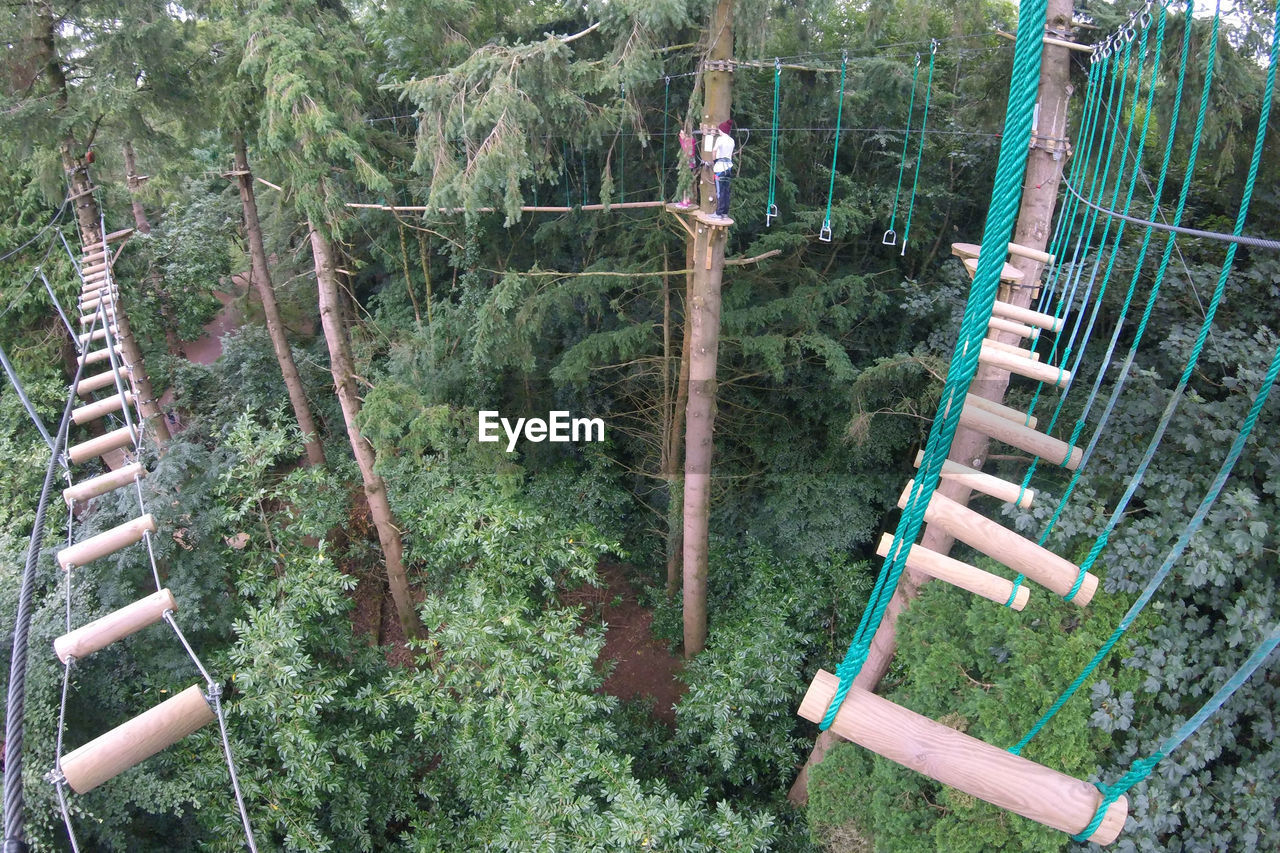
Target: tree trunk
140, 221
375, 489
673, 445
1035, 215
703, 318
260, 274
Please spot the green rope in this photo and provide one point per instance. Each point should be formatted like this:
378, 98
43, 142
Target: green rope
1142, 768
771, 208
825, 234
1175, 554
891, 236
924, 123
1228, 262
1005, 197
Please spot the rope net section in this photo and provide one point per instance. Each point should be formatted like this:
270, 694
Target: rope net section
1093, 228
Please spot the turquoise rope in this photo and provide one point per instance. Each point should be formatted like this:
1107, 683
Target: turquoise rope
1006, 195
771, 207
906, 140
924, 123
1246, 199
1175, 554
1142, 768
831, 187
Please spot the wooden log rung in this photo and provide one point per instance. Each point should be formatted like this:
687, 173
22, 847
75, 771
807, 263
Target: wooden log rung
88, 489
103, 354
958, 574
980, 481
1000, 324
1020, 352
107, 542
1022, 437
117, 625
1003, 411
103, 444
133, 742
963, 762
94, 336
101, 408
1030, 253
86, 271
1004, 546
1047, 373
1025, 315
101, 380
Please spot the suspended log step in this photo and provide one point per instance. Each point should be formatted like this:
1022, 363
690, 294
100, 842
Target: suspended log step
106, 542
133, 742
1030, 355
101, 408
99, 381
103, 483
1002, 410
87, 271
966, 251
1026, 315
980, 481
1004, 546
94, 336
962, 575
103, 444
1008, 272
107, 299
1047, 373
965, 763
1022, 437
103, 354
101, 633
999, 324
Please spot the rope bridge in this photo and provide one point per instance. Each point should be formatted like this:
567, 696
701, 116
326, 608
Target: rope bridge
1123, 76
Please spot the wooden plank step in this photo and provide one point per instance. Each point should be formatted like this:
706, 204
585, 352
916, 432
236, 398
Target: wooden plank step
1030, 355
1026, 315
1022, 437
980, 481
103, 354
101, 380
712, 220
101, 408
119, 235
963, 762
86, 490
133, 742
1008, 272
100, 633
1046, 373
962, 575
1002, 410
106, 542
106, 443
1003, 545
999, 324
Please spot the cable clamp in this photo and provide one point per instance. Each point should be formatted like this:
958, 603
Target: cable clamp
214, 693
56, 777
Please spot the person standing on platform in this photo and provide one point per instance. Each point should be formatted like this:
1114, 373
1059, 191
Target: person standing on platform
722, 166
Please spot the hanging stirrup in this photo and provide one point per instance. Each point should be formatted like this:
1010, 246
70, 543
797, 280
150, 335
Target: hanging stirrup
890, 238
825, 234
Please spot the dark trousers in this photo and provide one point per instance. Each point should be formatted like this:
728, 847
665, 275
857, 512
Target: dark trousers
722, 193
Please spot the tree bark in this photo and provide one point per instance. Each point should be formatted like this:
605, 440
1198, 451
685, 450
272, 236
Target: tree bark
1035, 216
703, 317
140, 221
375, 489
260, 274
674, 441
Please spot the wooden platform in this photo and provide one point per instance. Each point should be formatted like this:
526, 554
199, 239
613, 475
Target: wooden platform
712, 220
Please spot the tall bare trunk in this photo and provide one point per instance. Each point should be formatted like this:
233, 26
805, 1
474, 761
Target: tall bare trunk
140, 221
703, 317
1040, 191
260, 274
375, 489
673, 442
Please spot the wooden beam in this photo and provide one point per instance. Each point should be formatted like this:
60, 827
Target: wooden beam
107, 542
1002, 410
1003, 545
88, 489
980, 481
101, 355
114, 440
999, 324
1026, 315
1020, 352
1047, 373
965, 763
1022, 437
962, 575
137, 740
95, 383
101, 408
117, 625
